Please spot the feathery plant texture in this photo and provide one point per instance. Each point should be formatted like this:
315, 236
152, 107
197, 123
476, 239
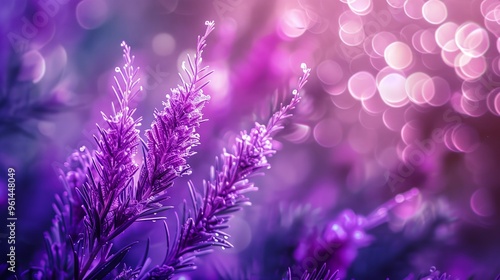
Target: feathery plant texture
317, 274
102, 198
173, 132
223, 194
105, 187
67, 223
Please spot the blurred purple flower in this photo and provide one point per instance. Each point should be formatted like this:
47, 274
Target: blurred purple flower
67, 224
317, 274
433, 274
341, 238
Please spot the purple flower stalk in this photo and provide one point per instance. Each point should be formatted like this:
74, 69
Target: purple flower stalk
346, 234
173, 132
67, 223
224, 194
102, 199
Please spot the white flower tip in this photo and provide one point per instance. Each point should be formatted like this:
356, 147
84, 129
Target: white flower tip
303, 66
295, 92
209, 23
117, 69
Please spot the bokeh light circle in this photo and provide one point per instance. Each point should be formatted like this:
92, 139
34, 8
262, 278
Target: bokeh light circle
329, 72
381, 40
362, 85
398, 55
328, 133
392, 90
163, 44
33, 67
360, 7
442, 92
294, 23
413, 8
481, 204
465, 138
434, 11
91, 14
446, 33
414, 87
472, 39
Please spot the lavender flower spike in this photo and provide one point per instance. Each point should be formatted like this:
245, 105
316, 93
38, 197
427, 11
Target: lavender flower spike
173, 132
102, 197
224, 193
67, 223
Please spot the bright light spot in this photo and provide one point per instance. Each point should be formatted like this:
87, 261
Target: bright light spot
469, 68
413, 8
428, 42
398, 55
329, 72
465, 138
294, 23
362, 85
410, 132
352, 39
350, 23
487, 6
360, 7
472, 108
399, 198
91, 14
381, 40
434, 11
491, 99
351, 28
396, 3
442, 92
328, 133
163, 44
414, 87
33, 67
449, 57
472, 39
481, 204
497, 103
392, 90
446, 33
374, 105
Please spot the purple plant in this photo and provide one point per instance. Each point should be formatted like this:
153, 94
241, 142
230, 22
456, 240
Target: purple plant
224, 194
433, 274
102, 199
67, 223
338, 243
317, 274
173, 132
103, 184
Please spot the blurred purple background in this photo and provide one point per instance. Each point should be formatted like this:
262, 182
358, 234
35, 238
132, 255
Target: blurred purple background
404, 96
